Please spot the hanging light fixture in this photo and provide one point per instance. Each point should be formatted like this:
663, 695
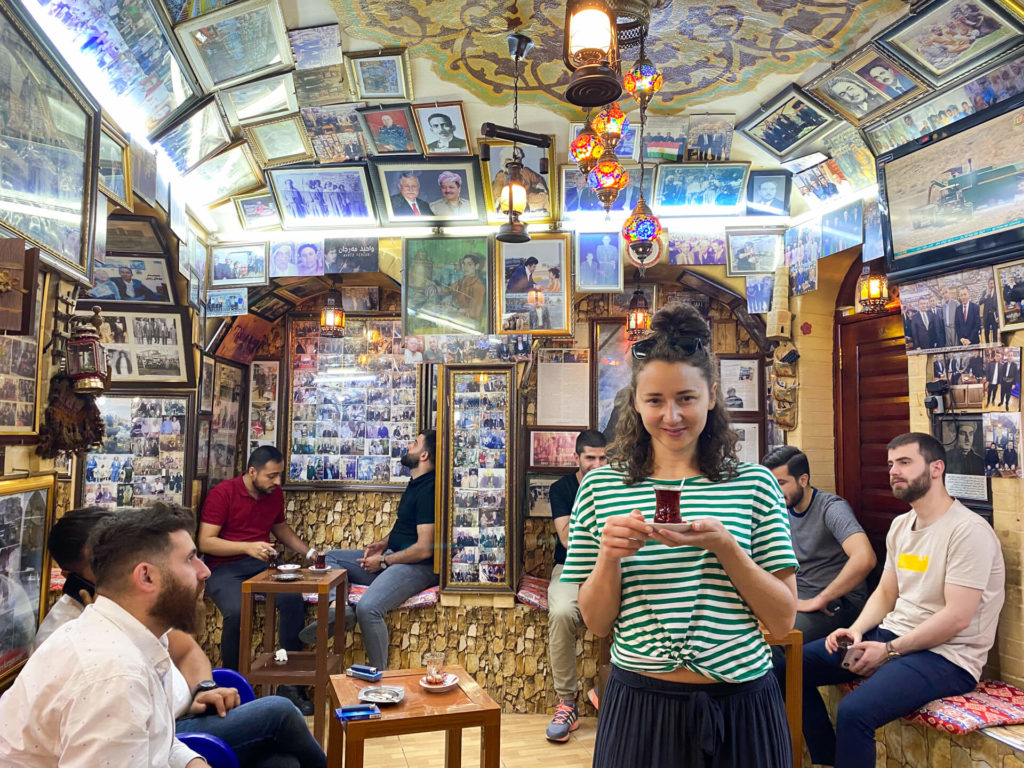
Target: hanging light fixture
85, 358
607, 179
642, 228
609, 124
872, 291
638, 318
586, 149
512, 199
590, 49
332, 315
643, 80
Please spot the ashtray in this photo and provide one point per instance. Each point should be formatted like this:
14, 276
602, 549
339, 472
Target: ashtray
314, 569
382, 694
286, 577
288, 567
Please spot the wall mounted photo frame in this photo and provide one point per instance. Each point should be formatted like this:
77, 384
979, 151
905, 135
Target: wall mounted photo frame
20, 267
946, 325
754, 251
202, 446
537, 494
428, 192
195, 138
597, 262
866, 85
709, 137
791, 119
541, 189
344, 191
228, 302
380, 75
320, 86
479, 512
947, 40
123, 279
610, 372
750, 447
700, 189
768, 193
207, 42
264, 396
1009, 282
335, 132
143, 160
227, 419
442, 128
351, 255
580, 203
447, 285
270, 306
389, 129
152, 348
114, 171
257, 210
20, 366
298, 290
533, 286
740, 378
280, 141
244, 339
259, 100
316, 46
628, 147
618, 303
206, 385
552, 451
238, 264
231, 172
27, 509
134, 234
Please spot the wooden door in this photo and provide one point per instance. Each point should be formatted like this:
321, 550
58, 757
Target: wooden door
872, 394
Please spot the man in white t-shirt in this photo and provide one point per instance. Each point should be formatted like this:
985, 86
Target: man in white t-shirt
926, 631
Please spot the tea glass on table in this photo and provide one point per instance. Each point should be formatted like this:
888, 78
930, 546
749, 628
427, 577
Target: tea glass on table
434, 662
667, 505
320, 561
272, 558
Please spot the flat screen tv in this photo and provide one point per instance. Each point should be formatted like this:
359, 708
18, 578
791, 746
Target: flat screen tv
955, 197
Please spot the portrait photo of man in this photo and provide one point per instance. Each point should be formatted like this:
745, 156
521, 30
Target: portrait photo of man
443, 128
452, 204
407, 201
768, 194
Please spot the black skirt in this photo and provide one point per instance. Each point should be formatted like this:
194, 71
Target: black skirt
650, 723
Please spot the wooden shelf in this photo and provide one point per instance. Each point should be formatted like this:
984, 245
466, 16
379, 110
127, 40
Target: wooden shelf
300, 667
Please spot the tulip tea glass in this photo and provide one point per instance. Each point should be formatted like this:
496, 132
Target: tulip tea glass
434, 662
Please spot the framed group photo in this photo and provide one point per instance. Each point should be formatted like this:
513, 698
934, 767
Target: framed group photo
790, 120
238, 264
148, 348
690, 189
447, 285
20, 364
598, 263
338, 196
534, 286
428, 191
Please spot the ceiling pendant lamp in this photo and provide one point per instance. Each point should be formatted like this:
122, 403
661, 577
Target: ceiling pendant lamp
638, 318
512, 199
590, 49
643, 80
609, 124
607, 178
586, 149
332, 314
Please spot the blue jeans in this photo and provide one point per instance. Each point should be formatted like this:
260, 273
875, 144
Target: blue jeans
388, 589
225, 589
896, 688
268, 732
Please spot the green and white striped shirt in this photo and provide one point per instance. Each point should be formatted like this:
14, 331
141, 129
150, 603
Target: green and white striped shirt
678, 607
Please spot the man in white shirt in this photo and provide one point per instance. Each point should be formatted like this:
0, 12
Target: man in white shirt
926, 631
99, 692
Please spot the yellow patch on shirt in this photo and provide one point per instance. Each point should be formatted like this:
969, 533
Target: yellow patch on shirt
906, 562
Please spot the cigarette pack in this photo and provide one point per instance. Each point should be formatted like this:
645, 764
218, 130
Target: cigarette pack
357, 712
364, 673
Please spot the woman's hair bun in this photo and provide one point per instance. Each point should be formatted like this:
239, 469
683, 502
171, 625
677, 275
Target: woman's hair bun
678, 319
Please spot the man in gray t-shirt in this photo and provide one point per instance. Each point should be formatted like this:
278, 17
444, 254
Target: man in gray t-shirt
834, 553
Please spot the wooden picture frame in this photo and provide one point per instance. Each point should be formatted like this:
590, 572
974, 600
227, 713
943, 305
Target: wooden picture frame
264, 424
479, 516
229, 383
21, 360
114, 171
442, 128
19, 269
541, 306
27, 506
150, 348
446, 191
462, 282
206, 384
541, 189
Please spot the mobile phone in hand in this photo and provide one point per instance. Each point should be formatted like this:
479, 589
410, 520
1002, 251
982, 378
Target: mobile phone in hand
73, 584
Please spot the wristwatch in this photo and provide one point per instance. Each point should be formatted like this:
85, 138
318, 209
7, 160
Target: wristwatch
205, 685
893, 653
383, 562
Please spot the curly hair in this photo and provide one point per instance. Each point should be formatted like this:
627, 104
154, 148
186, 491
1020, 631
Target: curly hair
632, 451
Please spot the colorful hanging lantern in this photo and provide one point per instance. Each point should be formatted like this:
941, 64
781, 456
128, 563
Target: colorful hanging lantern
641, 230
638, 318
606, 179
586, 149
610, 124
643, 81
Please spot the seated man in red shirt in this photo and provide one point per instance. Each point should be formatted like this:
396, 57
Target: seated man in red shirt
237, 519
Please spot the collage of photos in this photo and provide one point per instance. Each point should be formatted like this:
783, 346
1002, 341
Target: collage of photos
353, 403
263, 413
950, 311
144, 348
980, 379
460, 348
535, 294
227, 398
481, 420
142, 458
19, 362
803, 249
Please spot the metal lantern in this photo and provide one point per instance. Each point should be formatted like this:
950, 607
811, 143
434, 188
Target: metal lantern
332, 315
512, 201
586, 149
641, 230
590, 49
609, 124
872, 291
85, 357
638, 318
606, 179
643, 81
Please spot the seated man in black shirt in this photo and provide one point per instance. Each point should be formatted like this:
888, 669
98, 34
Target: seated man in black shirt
564, 617
398, 566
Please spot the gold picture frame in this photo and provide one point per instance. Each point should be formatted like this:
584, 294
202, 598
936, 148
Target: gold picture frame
281, 141
542, 201
535, 300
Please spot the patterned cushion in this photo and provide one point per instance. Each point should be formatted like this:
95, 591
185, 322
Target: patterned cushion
990, 703
429, 596
533, 592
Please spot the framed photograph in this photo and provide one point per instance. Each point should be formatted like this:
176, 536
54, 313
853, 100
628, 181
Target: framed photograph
131, 279
534, 286
337, 196
270, 307
866, 85
580, 203
538, 494
442, 128
842, 228
228, 401
217, 62
851, 153
694, 189
203, 444
335, 132
19, 268
759, 293
316, 46
48, 194
550, 450
754, 251
257, 210
20, 364
259, 100
750, 447
628, 147
237, 264
598, 266
665, 139
148, 348
1002, 443
230, 302
319, 86
428, 191
803, 249
231, 172
244, 339
947, 39
264, 384
389, 130
821, 184
351, 255
300, 290
768, 193
790, 120
380, 75
360, 298
279, 142
541, 189
350, 431
686, 248
740, 380
618, 303
963, 437
206, 385
214, 339
143, 458
196, 137
447, 285
302, 258
709, 138
479, 501
944, 313
26, 509
610, 372
113, 173
1009, 289
134, 235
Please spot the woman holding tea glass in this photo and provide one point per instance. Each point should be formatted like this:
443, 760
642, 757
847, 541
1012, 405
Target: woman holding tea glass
691, 681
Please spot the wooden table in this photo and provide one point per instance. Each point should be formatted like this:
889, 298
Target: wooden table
793, 642
303, 667
466, 706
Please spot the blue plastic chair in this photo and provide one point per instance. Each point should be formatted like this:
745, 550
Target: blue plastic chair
213, 749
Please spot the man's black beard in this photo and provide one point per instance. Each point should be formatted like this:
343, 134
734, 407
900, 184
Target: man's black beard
177, 605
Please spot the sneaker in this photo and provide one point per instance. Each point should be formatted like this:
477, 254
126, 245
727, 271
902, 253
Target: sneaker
296, 694
592, 695
565, 721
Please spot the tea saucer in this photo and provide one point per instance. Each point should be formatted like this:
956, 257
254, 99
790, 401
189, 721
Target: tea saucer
288, 567
451, 680
286, 577
677, 527
314, 569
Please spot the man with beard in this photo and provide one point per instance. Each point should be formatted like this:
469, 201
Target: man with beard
266, 731
93, 694
926, 631
238, 517
398, 566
